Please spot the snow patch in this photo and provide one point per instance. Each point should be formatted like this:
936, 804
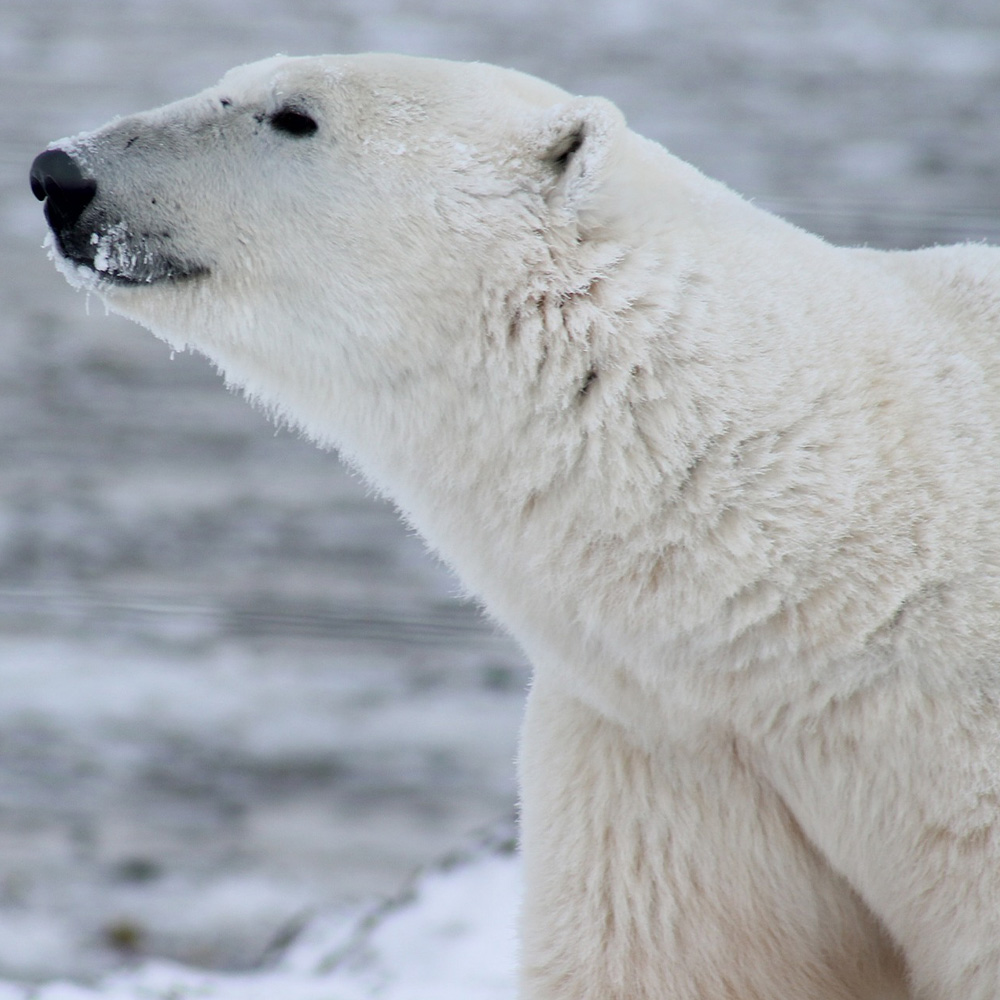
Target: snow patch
451, 937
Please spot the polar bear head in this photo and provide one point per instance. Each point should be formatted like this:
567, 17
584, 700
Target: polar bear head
305, 209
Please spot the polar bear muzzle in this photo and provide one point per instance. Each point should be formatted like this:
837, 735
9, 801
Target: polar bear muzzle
86, 234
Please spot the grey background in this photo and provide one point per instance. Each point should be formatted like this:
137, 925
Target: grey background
233, 689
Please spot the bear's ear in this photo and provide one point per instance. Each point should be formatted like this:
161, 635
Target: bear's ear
579, 144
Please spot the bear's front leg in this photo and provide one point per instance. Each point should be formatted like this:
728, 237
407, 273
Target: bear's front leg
673, 873
900, 789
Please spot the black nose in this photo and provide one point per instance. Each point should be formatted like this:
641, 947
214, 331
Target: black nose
55, 176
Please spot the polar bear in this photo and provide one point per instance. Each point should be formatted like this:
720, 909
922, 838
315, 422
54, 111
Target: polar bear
736, 491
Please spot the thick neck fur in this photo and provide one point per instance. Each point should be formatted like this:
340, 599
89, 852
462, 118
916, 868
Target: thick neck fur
600, 418
642, 452
622, 443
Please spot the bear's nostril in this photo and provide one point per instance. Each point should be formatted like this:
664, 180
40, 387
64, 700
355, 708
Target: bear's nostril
56, 178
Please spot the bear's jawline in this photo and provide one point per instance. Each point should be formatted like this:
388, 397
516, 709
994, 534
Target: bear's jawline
171, 274
152, 270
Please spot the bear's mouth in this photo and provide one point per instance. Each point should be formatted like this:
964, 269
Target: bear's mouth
113, 255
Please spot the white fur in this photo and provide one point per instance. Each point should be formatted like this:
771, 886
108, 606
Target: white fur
735, 491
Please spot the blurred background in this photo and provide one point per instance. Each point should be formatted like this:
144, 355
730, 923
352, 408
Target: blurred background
234, 690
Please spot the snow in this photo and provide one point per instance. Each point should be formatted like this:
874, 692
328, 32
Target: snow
450, 937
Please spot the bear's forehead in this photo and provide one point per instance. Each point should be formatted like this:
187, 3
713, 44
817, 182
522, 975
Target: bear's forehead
384, 78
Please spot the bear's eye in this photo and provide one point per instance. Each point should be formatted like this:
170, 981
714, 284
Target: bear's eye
293, 122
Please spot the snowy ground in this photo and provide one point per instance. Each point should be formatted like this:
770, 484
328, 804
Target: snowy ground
236, 697
450, 935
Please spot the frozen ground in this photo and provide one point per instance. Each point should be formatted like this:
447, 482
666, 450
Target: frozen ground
234, 692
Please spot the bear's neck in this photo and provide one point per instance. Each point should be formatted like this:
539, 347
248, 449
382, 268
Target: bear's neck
600, 458
549, 457
577, 450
